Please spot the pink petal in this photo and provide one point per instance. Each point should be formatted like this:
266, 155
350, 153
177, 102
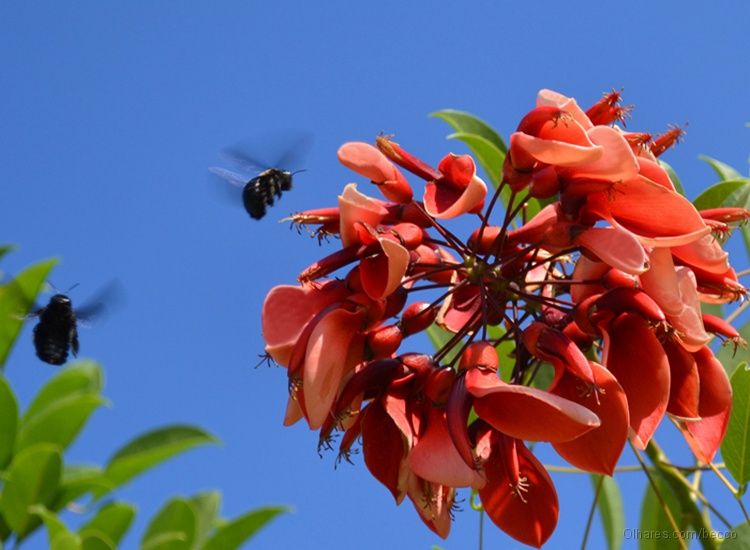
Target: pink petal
527, 413
326, 362
633, 354
381, 273
551, 98
433, 503
652, 170
369, 162
357, 208
286, 311
615, 247
436, 459
617, 163
444, 201
599, 449
706, 253
557, 153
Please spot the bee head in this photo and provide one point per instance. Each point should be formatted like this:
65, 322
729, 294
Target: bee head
60, 299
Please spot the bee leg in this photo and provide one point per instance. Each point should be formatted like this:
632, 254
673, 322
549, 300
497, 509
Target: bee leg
74, 341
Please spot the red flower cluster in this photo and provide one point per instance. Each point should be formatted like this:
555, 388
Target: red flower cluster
603, 286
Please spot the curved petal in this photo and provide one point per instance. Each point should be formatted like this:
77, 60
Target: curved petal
527, 413
433, 503
706, 253
704, 437
381, 273
524, 506
459, 308
436, 459
617, 163
650, 211
384, 449
599, 449
286, 311
554, 152
684, 387
615, 247
369, 162
551, 98
357, 208
652, 170
444, 201
634, 355
326, 361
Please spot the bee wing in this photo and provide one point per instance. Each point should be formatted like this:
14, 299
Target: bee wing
231, 177
298, 150
242, 159
101, 304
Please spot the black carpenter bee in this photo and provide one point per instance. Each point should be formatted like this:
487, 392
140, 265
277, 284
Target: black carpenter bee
56, 333
259, 192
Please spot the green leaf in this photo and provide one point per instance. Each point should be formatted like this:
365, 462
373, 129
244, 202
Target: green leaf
206, 507
467, 123
439, 337
16, 300
165, 541
654, 519
32, 478
81, 377
687, 514
490, 158
734, 193
94, 541
110, 523
611, 510
725, 193
236, 532
151, 449
738, 538
5, 249
736, 445
8, 422
724, 171
55, 526
77, 480
177, 516
674, 177
60, 422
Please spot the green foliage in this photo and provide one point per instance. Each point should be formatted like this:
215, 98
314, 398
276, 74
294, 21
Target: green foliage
730, 193
235, 532
654, 519
724, 171
738, 538
611, 510
8, 422
110, 523
151, 449
736, 445
174, 527
467, 123
731, 355
31, 479
16, 300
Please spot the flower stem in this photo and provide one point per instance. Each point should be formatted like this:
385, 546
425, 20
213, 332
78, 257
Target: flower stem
590, 519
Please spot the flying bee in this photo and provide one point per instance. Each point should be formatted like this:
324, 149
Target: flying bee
56, 332
260, 192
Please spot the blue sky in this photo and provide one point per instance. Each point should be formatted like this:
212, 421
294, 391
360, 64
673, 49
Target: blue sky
111, 114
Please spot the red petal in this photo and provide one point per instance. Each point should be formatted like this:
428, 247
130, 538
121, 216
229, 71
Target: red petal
528, 516
381, 273
599, 449
357, 208
286, 311
384, 448
433, 503
527, 413
634, 355
704, 437
615, 247
684, 382
326, 362
436, 459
